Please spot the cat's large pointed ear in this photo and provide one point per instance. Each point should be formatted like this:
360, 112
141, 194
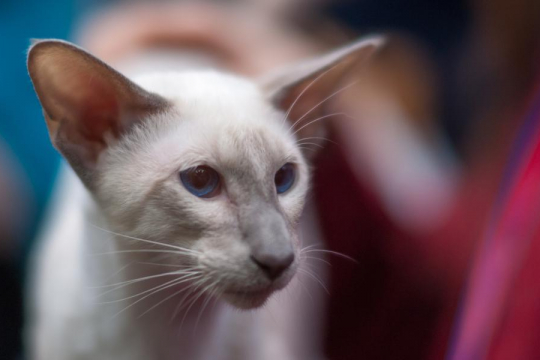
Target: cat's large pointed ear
87, 104
303, 90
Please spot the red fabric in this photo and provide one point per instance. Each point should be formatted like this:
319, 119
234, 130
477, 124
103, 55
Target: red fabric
387, 305
400, 301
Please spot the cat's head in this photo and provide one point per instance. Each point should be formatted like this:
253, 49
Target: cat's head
205, 166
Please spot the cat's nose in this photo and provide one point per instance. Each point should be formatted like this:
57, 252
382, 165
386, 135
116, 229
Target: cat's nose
273, 265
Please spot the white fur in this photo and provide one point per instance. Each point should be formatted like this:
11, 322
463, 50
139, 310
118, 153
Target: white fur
103, 286
69, 320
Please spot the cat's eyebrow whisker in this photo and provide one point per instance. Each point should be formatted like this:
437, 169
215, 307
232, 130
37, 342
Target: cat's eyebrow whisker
322, 102
317, 119
145, 240
306, 89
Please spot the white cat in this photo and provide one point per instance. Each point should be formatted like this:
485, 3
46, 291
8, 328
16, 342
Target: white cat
194, 184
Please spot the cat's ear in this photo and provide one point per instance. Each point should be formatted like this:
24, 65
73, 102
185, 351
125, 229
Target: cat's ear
87, 104
302, 91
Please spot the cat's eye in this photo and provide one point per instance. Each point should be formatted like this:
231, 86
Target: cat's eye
284, 178
201, 181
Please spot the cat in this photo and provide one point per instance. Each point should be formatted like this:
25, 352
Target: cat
184, 203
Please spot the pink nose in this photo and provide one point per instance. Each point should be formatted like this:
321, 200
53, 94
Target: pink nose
273, 265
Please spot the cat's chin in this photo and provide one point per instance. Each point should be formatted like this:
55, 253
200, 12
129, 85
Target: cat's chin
247, 300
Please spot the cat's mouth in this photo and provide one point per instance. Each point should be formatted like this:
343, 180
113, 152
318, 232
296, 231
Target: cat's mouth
249, 298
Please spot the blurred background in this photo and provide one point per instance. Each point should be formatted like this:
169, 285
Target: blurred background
431, 188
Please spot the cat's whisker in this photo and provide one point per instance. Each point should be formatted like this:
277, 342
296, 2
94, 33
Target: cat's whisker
132, 281
316, 138
192, 289
311, 143
336, 253
141, 299
196, 297
309, 247
181, 279
165, 265
306, 289
164, 300
209, 296
307, 258
285, 117
175, 281
317, 119
314, 277
146, 240
161, 302
306, 148
110, 277
322, 102
176, 252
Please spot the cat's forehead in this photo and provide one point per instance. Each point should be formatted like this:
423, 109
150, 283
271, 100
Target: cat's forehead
206, 91
219, 120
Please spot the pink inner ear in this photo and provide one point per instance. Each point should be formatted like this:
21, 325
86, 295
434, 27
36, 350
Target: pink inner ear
97, 111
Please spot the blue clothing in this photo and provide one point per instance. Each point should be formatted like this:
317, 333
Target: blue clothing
22, 125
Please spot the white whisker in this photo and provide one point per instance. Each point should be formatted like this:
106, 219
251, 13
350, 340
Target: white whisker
164, 300
193, 288
311, 143
175, 281
307, 258
323, 101
176, 252
132, 281
317, 119
316, 138
316, 278
304, 90
332, 253
141, 299
146, 241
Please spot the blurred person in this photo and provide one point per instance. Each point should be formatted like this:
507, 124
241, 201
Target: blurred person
395, 152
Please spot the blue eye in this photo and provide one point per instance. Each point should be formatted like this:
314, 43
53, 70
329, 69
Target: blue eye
201, 181
284, 178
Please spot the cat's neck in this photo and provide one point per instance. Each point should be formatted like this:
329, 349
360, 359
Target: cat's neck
179, 323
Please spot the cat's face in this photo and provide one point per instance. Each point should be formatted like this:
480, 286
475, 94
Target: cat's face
203, 163
217, 173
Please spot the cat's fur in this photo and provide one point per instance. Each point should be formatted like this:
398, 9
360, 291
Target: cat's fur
106, 251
